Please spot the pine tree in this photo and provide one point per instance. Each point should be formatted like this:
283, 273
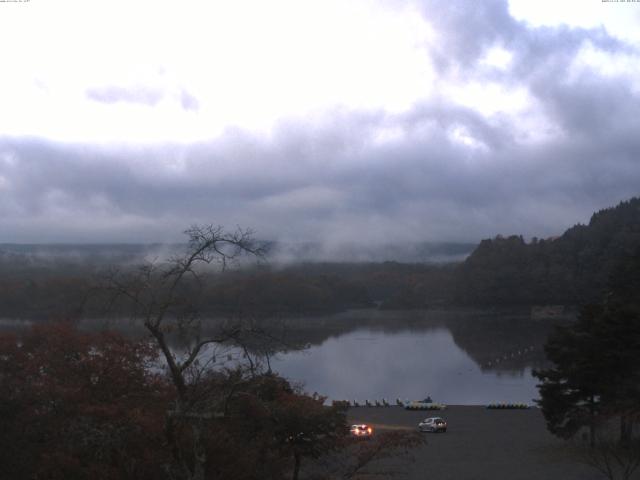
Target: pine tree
596, 361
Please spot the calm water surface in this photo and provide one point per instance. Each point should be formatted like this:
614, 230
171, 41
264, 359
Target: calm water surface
411, 363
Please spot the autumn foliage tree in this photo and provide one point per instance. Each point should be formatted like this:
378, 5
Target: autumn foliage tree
274, 426
79, 405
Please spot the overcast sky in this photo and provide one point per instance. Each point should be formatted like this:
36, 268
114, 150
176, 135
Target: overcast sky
328, 120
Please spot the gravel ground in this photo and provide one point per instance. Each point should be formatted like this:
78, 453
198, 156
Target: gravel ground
482, 444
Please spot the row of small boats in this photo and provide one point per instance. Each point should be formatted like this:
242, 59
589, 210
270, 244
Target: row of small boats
425, 404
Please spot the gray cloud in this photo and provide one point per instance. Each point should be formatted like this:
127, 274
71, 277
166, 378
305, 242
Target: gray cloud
337, 179
137, 94
188, 101
469, 28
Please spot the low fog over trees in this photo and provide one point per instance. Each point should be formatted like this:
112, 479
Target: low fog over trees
568, 270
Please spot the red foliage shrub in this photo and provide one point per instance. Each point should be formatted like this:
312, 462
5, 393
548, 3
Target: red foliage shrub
79, 405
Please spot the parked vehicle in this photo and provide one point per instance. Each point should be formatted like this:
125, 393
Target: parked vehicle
433, 424
361, 431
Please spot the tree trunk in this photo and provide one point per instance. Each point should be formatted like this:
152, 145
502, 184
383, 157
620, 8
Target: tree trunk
199, 453
296, 466
592, 423
176, 375
626, 427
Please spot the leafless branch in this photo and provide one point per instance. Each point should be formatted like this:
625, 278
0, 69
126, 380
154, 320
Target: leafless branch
613, 459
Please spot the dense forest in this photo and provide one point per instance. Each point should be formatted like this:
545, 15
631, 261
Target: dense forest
571, 269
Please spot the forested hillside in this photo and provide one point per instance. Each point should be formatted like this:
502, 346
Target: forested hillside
570, 269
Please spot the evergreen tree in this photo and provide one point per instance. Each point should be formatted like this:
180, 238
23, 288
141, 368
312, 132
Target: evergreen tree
596, 361
572, 389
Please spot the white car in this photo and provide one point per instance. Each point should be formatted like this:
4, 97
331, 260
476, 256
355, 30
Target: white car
433, 424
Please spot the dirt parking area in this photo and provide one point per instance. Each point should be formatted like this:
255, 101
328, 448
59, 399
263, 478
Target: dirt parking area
481, 444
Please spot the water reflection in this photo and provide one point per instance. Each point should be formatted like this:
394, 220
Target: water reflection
368, 364
461, 359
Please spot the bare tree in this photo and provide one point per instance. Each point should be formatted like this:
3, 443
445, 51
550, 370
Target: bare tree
162, 296
387, 455
614, 460
390, 452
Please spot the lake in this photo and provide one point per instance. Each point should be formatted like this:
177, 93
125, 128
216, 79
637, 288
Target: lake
456, 358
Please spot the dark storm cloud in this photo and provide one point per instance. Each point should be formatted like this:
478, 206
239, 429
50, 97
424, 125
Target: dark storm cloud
365, 176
